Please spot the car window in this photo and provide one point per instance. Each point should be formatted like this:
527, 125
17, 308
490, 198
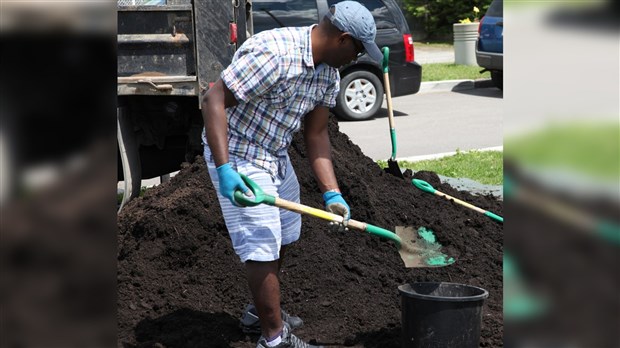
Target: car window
269, 14
496, 9
383, 17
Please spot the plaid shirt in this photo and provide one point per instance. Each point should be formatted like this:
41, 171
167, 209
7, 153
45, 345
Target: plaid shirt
274, 79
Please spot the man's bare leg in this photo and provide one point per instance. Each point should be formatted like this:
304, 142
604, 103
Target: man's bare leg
265, 287
281, 259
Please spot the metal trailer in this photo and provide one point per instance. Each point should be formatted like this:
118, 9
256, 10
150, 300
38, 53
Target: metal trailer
169, 53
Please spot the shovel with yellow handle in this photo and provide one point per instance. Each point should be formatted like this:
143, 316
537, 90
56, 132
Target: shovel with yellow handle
417, 248
426, 187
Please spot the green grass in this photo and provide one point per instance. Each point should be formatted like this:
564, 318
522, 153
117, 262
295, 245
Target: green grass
448, 71
485, 167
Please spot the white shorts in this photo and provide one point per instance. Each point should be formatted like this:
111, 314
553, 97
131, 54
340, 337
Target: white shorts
257, 233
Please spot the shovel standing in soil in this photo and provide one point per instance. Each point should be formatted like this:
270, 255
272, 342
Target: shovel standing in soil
416, 249
393, 167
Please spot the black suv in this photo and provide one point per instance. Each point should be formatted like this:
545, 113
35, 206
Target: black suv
361, 85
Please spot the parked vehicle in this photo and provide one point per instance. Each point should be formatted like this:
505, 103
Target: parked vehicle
361, 86
490, 43
169, 52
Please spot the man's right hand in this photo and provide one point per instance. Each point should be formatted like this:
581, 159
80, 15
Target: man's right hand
230, 181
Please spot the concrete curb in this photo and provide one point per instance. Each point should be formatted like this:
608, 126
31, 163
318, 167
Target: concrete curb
453, 85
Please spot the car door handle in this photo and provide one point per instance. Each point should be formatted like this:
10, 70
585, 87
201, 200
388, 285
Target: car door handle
500, 24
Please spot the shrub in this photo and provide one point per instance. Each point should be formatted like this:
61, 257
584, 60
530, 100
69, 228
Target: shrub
438, 16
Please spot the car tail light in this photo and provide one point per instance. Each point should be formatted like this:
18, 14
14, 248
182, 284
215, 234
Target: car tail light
232, 28
408, 40
480, 24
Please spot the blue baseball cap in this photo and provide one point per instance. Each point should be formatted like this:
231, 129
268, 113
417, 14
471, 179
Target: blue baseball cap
353, 18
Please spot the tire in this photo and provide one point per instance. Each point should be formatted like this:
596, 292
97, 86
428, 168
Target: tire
498, 79
360, 96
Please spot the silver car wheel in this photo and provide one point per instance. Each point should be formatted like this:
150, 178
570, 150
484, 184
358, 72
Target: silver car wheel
360, 95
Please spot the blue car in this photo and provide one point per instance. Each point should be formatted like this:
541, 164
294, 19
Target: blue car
490, 43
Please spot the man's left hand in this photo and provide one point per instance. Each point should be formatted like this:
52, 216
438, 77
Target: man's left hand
334, 203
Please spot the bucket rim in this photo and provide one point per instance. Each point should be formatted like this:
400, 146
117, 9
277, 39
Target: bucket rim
482, 296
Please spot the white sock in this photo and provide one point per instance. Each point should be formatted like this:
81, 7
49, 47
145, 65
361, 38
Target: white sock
274, 341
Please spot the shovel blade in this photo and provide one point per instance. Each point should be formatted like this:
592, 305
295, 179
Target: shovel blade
394, 169
419, 248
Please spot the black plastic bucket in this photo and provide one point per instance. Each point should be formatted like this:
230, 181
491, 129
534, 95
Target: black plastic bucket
441, 315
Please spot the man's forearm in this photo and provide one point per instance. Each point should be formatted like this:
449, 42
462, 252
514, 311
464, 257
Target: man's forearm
217, 134
319, 148
216, 125
319, 155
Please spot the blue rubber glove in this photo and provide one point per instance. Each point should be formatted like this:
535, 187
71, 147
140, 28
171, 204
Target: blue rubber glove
230, 181
334, 203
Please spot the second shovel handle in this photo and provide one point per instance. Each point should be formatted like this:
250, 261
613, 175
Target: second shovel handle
456, 200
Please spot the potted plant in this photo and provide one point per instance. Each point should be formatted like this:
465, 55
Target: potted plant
465, 35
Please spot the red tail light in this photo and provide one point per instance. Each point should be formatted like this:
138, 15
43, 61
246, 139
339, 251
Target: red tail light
480, 24
409, 55
232, 28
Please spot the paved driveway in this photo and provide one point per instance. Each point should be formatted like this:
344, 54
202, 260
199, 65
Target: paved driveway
433, 123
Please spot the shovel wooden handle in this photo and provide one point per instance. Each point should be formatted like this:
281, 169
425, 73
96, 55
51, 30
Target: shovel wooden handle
260, 197
426, 187
470, 206
325, 215
388, 95
322, 214
463, 203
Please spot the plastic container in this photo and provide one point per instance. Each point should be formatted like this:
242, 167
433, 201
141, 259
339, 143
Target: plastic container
465, 36
441, 315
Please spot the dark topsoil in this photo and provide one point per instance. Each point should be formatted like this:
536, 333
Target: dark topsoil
180, 283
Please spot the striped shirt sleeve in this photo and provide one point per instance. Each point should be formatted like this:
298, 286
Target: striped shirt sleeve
252, 73
329, 99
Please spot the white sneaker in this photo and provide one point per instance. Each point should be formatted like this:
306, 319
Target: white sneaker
250, 323
288, 341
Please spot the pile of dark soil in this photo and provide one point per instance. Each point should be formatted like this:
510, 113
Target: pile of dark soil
180, 283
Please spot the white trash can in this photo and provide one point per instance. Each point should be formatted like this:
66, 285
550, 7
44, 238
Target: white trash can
465, 35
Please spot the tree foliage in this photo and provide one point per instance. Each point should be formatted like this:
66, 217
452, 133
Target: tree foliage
437, 16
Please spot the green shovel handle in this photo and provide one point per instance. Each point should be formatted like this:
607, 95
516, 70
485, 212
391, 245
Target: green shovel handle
259, 195
386, 57
494, 216
423, 185
393, 138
